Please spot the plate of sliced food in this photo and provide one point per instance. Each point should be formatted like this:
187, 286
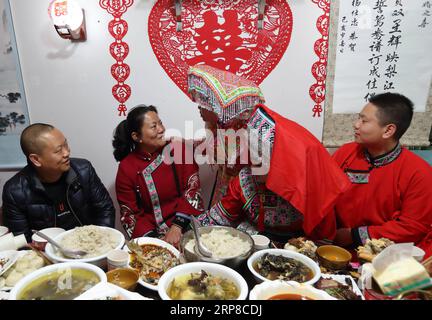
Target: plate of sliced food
372, 248
340, 287
303, 246
151, 257
26, 262
7, 259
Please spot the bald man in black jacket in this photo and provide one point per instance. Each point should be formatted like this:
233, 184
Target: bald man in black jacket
54, 190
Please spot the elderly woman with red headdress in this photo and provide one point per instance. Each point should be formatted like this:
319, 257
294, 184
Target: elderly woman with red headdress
226, 101
296, 196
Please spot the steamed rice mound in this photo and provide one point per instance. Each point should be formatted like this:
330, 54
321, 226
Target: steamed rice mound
92, 239
222, 244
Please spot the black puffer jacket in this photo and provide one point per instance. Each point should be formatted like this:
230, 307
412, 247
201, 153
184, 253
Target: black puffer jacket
27, 206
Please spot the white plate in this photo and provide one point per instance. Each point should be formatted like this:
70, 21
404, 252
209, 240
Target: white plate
105, 290
10, 256
341, 279
155, 241
19, 255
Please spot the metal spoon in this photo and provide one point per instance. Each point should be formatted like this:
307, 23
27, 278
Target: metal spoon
201, 248
74, 254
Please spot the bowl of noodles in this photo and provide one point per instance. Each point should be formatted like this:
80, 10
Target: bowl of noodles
202, 281
151, 258
95, 240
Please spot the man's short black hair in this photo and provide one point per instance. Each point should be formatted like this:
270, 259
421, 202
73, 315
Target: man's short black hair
30, 138
394, 108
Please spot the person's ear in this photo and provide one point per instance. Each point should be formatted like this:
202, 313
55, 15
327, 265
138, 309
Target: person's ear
35, 159
136, 137
390, 131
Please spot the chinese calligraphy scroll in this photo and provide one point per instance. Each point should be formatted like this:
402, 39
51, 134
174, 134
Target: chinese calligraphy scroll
382, 45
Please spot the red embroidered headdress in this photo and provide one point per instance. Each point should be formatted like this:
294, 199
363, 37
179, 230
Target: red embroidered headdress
222, 92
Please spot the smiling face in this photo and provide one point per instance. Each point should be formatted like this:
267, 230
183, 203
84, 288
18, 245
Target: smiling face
152, 134
368, 130
54, 153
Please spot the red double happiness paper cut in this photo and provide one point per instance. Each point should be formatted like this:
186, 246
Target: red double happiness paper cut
119, 50
221, 34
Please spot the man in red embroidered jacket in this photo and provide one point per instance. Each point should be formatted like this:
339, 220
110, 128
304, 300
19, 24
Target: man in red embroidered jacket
391, 193
297, 195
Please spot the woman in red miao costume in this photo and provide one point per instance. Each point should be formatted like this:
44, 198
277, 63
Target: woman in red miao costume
156, 196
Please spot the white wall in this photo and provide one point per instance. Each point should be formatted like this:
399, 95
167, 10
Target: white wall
69, 84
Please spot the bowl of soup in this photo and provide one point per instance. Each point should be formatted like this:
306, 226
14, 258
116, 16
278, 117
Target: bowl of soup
333, 257
282, 264
124, 278
287, 290
202, 281
63, 281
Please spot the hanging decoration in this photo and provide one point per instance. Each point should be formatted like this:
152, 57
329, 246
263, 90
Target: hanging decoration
318, 89
221, 34
119, 50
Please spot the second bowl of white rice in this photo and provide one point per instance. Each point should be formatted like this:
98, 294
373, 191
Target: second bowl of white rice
95, 240
229, 246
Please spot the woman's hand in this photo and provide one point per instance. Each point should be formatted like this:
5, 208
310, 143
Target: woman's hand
173, 235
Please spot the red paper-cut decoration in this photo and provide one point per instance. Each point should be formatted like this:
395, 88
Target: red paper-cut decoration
119, 50
222, 34
318, 89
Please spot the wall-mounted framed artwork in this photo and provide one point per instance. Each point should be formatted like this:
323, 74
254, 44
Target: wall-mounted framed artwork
14, 116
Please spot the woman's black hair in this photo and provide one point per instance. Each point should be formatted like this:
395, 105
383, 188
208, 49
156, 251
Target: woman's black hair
123, 143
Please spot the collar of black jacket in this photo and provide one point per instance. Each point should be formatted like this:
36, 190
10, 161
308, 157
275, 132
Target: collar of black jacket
35, 183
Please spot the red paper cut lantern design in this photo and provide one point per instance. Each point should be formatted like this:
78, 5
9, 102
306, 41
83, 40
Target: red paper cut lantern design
318, 89
119, 50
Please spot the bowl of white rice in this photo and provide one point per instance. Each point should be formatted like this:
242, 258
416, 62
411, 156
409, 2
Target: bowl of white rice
95, 240
229, 246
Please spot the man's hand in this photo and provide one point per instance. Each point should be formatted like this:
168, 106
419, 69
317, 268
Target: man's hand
343, 237
173, 235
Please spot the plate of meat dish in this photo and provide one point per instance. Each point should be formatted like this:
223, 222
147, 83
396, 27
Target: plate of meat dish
340, 287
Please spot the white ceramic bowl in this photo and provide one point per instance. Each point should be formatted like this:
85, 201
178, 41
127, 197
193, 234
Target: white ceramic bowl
261, 242
54, 268
99, 261
210, 268
268, 289
286, 253
41, 243
155, 241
